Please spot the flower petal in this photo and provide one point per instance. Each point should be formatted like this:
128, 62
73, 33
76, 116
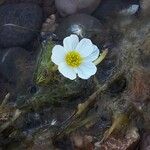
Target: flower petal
58, 54
71, 42
86, 70
94, 55
85, 47
66, 71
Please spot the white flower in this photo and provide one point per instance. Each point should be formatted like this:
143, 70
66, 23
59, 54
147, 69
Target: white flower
75, 58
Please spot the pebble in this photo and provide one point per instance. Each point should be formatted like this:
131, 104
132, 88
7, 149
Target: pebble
85, 26
16, 66
109, 8
69, 7
19, 24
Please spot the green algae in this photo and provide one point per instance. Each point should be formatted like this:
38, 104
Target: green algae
45, 73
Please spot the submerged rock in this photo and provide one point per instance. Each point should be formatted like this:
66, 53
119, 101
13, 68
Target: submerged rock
23, 1
140, 93
19, 23
109, 8
17, 68
68, 7
48, 6
84, 26
120, 142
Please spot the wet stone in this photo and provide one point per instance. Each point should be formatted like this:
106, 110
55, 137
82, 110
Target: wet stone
12, 16
22, 1
127, 142
17, 68
84, 26
68, 7
47, 5
109, 8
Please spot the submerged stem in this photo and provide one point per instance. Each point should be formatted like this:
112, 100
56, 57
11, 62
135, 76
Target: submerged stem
101, 57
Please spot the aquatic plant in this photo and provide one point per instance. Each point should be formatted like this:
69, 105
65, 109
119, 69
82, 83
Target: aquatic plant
44, 71
76, 57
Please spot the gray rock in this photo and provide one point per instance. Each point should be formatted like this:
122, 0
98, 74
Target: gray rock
68, 7
17, 67
26, 15
110, 8
47, 5
3, 88
84, 26
23, 1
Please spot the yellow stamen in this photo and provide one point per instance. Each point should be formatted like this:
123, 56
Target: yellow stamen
73, 59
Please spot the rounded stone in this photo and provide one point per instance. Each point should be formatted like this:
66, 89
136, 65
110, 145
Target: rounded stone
110, 8
17, 67
23, 1
84, 26
68, 7
19, 23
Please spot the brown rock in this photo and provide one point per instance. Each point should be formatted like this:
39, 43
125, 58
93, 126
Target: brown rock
140, 92
127, 142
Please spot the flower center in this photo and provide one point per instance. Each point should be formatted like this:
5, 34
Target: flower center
73, 59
